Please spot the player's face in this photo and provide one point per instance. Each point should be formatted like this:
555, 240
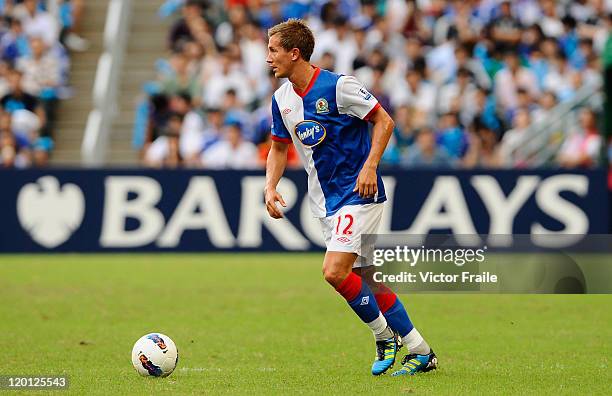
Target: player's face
278, 58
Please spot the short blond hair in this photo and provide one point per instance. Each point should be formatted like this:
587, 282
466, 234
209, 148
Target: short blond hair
294, 33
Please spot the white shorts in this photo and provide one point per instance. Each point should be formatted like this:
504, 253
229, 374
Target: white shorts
343, 230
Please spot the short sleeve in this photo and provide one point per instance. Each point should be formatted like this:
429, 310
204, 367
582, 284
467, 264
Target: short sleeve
353, 98
279, 131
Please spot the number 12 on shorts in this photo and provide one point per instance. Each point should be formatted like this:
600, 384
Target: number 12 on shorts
345, 223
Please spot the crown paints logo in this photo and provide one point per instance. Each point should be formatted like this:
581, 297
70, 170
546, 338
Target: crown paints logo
310, 133
50, 213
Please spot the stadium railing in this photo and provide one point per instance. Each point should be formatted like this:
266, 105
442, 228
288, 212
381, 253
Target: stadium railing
543, 139
106, 85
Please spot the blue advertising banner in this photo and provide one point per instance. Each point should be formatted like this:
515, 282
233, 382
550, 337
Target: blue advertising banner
167, 210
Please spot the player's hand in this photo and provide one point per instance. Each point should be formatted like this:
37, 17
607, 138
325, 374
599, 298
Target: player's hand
367, 182
272, 196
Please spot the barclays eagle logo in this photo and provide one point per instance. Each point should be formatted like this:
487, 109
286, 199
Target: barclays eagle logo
50, 213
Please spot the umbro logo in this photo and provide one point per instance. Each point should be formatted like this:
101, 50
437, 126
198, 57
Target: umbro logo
343, 239
286, 111
365, 300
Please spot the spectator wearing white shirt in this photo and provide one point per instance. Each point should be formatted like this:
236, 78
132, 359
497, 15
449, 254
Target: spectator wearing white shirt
42, 78
415, 92
582, 147
401, 61
458, 95
550, 22
581, 10
213, 128
229, 30
560, 77
227, 75
441, 61
398, 12
232, 152
510, 79
255, 50
191, 136
528, 12
164, 151
36, 22
41, 71
346, 50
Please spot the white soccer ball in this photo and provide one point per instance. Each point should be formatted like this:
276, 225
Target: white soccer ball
154, 355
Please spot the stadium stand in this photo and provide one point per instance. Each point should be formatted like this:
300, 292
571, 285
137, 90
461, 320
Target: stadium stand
36, 40
469, 83
143, 35
145, 45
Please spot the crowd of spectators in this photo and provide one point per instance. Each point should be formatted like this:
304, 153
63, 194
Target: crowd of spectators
463, 79
34, 67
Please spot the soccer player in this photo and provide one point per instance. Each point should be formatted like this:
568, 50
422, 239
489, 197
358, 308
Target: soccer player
326, 115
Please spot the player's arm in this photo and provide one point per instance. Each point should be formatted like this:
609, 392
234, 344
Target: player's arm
355, 100
275, 166
277, 160
367, 181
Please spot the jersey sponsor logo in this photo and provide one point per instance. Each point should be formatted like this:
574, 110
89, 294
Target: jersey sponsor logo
322, 106
310, 133
286, 111
364, 93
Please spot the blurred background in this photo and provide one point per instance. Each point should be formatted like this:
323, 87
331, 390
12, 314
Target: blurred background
184, 83
484, 86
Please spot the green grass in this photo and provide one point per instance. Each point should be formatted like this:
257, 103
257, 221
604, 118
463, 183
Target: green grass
268, 324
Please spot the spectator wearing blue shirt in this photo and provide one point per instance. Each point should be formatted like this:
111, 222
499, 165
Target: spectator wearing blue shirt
451, 136
426, 153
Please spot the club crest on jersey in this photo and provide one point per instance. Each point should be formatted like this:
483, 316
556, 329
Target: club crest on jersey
310, 133
322, 106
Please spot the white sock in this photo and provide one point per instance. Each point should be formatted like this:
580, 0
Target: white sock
415, 343
380, 328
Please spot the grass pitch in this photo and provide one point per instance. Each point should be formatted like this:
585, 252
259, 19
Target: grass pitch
268, 324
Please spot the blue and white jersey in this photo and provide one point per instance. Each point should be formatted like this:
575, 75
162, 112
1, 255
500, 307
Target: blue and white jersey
328, 125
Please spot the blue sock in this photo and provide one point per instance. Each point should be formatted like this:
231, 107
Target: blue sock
359, 297
398, 318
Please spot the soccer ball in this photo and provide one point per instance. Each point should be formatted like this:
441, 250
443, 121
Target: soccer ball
154, 355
